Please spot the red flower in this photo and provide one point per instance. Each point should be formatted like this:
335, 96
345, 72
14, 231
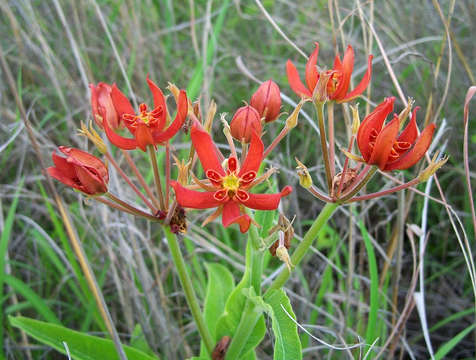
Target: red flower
245, 121
103, 106
228, 189
148, 126
80, 170
381, 145
267, 100
338, 84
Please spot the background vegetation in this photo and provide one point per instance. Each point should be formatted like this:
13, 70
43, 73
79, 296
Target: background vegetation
214, 49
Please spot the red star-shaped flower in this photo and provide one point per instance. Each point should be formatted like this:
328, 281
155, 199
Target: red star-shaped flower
147, 127
227, 189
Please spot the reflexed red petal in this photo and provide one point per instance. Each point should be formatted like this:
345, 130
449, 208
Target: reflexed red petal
312, 75
121, 102
416, 153
359, 89
266, 201
384, 143
410, 133
295, 81
231, 215
159, 98
347, 67
182, 110
194, 199
254, 157
375, 121
118, 140
206, 150
143, 137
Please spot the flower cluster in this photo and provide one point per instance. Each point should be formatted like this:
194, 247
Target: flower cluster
229, 182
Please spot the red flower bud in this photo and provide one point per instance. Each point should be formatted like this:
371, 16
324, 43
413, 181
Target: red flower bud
103, 106
267, 100
80, 170
244, 122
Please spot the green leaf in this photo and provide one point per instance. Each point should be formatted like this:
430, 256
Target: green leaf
450, 344
220, 285
81, 346
139, 342
371, 334
287, 344
234, 310
4, 240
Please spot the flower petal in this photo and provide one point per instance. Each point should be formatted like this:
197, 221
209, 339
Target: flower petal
194, 199
347, 67
85, 159
60, 176
254, 157
206, 150
373, 121
143, 137
118, 140
63, 166
416, 153
231, 215
295, 81
121, 102
157, 94
410, 133
384, 143
266, 201
359, 89
182, 110
312, 75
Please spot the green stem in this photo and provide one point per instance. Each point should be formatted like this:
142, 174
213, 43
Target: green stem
256, 265
325, 153
250, 314
153, 159
249, 318
305, 244
187, 286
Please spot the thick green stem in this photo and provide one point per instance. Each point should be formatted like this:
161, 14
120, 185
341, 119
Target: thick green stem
247, 323
305, 244
187, 286
250, 314
256, 265
325, 153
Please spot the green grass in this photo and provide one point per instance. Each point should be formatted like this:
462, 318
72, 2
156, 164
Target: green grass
127, 255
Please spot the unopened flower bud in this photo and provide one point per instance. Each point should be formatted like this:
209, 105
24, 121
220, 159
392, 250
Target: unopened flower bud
305, 179
356, 119
244, 122
292, 120
267, 100
283, 255
320, 94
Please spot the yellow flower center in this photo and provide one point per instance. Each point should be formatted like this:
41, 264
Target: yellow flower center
231, 182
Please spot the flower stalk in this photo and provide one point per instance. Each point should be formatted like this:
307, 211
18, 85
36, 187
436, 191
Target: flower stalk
305, 244
325, 154
187, 286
